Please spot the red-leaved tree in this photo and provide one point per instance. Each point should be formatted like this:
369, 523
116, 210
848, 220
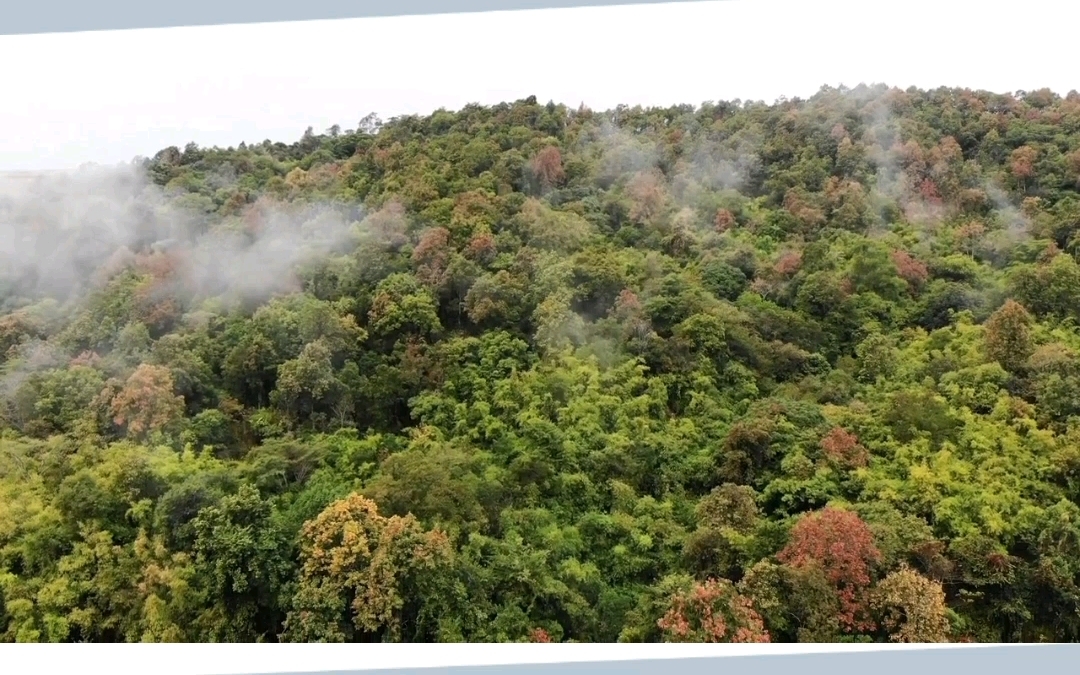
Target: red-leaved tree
539, 635
712, 611
432, 256
910, 269
843, 447
842, 545
725, 220
547, 166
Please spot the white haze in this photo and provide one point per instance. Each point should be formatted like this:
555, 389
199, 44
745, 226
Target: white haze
62, 232
107, 97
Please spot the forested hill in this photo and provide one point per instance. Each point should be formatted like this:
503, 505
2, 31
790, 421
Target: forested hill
739, 372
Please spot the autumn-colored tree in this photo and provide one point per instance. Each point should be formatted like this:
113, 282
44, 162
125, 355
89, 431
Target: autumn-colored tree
630, 315
87, 358
913, 607
809, 216
474, 211
364, 576
843, 447
627, 305
147, 401
539, 635
846, 199
1022, 163
481, 247
1008, 336
724, 220
972, 200
842, 545
157, 310
910, 155
928, 190
648, 195
547, 166
431, 257
788, 264
712, 611
909, 268
1031, 206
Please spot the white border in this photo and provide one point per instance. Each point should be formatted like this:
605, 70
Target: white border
184, 659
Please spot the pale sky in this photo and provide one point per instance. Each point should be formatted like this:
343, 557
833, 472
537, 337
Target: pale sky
109, 96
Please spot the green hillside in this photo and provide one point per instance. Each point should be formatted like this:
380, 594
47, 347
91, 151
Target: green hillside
807, 371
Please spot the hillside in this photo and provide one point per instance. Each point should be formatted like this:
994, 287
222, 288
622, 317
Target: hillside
805, 371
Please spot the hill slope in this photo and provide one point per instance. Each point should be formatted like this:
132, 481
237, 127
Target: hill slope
792, 372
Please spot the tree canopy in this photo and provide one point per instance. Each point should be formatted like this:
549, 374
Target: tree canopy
739, 372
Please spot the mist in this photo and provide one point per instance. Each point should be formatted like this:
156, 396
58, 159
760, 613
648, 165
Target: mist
63, 234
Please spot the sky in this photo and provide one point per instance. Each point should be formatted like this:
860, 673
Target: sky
107, 97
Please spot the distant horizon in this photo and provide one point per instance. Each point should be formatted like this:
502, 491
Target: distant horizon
84, 98
30, 172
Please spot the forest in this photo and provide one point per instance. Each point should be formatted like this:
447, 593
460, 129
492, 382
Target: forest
806, 371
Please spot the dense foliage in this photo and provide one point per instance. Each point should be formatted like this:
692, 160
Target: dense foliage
742, 372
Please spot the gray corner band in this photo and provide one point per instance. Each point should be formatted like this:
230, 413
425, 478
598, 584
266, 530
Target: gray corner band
64, 16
